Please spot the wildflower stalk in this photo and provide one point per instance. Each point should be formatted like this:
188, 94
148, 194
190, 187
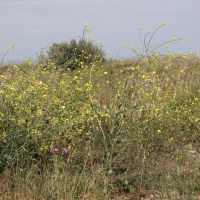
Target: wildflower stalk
146, 48
9, 49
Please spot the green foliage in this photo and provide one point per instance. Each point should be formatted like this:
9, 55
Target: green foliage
71, 55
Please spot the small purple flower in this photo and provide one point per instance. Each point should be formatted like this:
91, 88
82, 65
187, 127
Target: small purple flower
98, 165
33, 159
118, 127
55, 151
44, 108
21, 170
51, 160
136, 101
134, 80
65, 150
38, 169
113, 139
76, 108
123, 79
137, 145
145, 104
96, 127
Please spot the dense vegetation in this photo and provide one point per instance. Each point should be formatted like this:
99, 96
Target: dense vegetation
105, 130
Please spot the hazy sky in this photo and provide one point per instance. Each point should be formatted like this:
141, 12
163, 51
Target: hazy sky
31, 25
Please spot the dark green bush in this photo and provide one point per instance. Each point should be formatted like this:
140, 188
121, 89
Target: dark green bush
71, 55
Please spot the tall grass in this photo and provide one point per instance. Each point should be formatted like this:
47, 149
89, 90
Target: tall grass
122, 129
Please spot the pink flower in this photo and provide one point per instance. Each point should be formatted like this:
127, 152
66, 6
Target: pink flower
44, 108
21, 170
65, 150
55, 151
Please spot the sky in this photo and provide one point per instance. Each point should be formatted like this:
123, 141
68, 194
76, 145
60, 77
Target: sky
31, 25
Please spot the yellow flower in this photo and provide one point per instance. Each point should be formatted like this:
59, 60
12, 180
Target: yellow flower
174, 38
149, 31
11, 47
105, 73
197, 120
191, 53
108, 52
140, 28
168, 50
181, 37
159, 131
182, 71
166, 46
179, 53
164, 23
86, 24
124, 45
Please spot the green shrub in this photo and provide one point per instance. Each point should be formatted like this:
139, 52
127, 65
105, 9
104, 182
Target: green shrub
71, 55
